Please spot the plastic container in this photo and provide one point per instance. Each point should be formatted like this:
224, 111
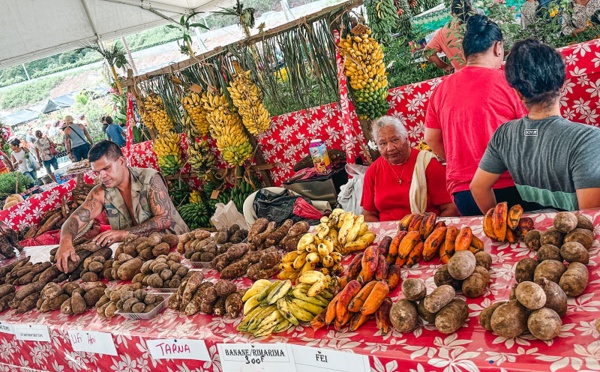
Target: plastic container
152, 314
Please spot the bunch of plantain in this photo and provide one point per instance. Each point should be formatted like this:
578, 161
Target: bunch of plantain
506, 225
420, 237
155, 107
273, 307
355, 305
365, 68
200, 157
226, 128
248, 100
382, 19
195, 214
192, 104
166, 147
311, 257
372, 265
347, 232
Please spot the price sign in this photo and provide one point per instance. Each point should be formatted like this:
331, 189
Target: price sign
93, 342
256, 357
310, 359
7, 328
178, 349
31, 332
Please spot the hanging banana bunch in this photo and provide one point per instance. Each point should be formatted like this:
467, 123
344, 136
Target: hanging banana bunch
196, 197
364, 66
226, 128
192, 104
382, 19
248, 100
166, 147
200, 158
156, 109
146, 118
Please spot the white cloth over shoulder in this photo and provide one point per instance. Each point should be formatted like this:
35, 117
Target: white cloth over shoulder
350, 194
418, 185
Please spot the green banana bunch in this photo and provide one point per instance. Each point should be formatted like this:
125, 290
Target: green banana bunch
195, 215
200, 158
273, 307
179, 191
241, 191
382, 19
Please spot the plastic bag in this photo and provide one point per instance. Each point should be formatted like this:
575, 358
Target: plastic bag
227, 215
306, 210
350, 194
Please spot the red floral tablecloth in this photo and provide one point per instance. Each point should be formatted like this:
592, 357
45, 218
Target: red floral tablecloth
287, 141
424, 349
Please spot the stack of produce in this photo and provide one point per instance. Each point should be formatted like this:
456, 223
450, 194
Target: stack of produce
265, 234
506, 225
419, 238
93, 268
24, 272
166, 147
248, 100
155, 107
539, 299
356, 304
197, 295
239, 261
467, 272
71, 298
162, 272
7, 293
273, 307
226, 128
200, 157
199, 246
107, 304
138, 301
124, 267
372, 265
440, 308
562, 232
149, 247
76, 269
232, 234
365, 68
26, 297
192, 104
348, 232
195, 214
54, 218
9, 242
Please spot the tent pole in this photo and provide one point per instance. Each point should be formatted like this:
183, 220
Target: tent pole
129, 54
26, 73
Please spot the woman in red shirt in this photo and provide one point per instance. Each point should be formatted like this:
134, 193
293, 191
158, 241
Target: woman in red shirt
389, 192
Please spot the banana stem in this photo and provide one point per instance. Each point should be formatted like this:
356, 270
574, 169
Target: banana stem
116, 77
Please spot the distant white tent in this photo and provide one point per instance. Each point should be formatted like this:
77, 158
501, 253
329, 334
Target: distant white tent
34, 29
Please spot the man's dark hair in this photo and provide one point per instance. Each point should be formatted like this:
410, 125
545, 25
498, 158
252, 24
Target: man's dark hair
462, 9
104, 148
535, 70
481, 34
108, 119
596, 18
16, 142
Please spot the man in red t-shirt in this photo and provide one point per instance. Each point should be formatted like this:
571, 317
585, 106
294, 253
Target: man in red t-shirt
387, 183
466, 109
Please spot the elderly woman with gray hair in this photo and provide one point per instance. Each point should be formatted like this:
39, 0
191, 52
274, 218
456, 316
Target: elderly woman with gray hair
403, 180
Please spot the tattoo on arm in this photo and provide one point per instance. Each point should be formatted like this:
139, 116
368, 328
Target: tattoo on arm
161, 207
82, 215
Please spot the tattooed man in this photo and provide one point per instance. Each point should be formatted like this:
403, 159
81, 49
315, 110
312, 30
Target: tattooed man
136, 201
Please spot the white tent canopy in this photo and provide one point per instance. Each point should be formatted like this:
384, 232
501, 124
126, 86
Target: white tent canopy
34, 29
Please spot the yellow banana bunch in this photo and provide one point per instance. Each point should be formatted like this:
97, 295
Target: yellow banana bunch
226, 128
166, 147
248, 100
200, 158
192, 104
155, 107
195, 197
147, 119
365, 68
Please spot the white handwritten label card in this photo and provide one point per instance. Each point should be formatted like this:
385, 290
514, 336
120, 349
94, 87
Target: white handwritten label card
31, 332
7, 328
310, 359
178, 349
93, 342
256, 357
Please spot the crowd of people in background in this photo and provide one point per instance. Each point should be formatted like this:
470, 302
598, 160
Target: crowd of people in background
40, 147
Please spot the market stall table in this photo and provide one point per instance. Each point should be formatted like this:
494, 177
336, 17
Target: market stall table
471, 348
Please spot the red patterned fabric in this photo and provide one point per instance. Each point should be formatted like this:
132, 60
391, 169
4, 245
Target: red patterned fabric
287, 141
424, 349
